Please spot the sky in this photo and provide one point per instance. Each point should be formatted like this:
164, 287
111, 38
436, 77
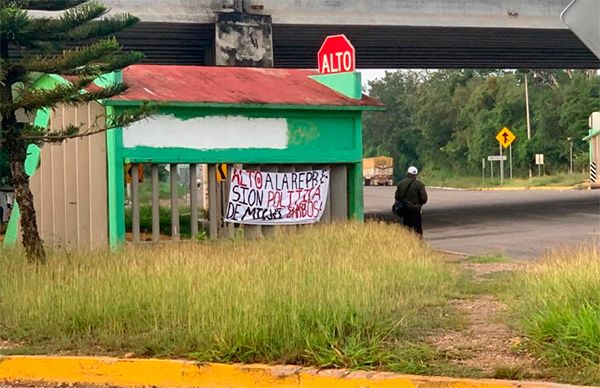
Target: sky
371, 74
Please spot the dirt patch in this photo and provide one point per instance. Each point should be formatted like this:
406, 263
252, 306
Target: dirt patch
8, 345
486, 343
480, 271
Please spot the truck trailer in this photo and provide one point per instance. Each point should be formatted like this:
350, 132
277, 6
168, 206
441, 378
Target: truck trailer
378, 171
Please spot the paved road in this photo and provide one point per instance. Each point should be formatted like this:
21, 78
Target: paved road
520, 224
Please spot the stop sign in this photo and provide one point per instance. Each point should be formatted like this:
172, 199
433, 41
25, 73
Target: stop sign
337, 55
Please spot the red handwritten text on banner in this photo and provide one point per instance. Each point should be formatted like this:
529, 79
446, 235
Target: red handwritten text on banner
271, 198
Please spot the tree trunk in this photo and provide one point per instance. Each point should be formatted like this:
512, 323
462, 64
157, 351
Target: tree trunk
32, 242
17, 153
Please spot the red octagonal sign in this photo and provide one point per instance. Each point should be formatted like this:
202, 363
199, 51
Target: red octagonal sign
337, 55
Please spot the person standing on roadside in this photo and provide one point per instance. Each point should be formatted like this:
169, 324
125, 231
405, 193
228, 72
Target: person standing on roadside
412, 192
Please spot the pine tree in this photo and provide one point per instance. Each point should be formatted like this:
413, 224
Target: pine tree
73, 38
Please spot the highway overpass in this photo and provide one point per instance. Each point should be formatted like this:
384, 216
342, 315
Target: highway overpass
386, 33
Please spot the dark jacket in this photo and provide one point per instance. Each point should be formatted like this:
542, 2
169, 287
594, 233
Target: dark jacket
415, 196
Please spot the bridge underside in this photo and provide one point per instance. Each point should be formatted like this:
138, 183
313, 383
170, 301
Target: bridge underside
378, 46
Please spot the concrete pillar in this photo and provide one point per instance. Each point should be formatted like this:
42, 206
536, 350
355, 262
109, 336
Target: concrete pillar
244, 40
339, 192
213, 215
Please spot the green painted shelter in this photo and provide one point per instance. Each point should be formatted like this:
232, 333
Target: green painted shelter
274, 119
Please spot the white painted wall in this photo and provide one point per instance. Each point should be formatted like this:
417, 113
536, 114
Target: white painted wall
214, 132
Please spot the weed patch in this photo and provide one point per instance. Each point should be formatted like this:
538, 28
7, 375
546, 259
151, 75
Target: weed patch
447, 179
556, 302
330, 296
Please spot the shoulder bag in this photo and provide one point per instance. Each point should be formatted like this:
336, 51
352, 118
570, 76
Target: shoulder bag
399, 207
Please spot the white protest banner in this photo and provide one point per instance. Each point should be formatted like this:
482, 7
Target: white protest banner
271, 198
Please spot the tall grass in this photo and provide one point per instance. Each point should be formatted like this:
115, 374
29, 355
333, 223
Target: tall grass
343, 295
557, 303
447, 179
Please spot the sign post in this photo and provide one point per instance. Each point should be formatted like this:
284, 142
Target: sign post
482, 171
492, 159
539, 160
505, 138
501, 167
221, 174
336, 55
510, 158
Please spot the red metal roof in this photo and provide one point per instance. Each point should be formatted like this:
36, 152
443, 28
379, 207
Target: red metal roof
231, 85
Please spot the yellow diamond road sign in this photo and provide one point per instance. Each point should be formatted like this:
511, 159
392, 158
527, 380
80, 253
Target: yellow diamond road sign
221, 172
505, 137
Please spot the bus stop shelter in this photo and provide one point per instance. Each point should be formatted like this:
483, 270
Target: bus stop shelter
262, 119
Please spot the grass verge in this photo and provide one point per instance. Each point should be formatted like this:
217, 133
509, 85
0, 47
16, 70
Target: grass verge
556, 302
470, 182
356, 296
488, 259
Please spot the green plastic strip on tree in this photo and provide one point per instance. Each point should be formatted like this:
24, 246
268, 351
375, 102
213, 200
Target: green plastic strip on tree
32, 163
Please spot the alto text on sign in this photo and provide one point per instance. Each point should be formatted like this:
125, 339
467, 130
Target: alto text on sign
505, 137
337, 55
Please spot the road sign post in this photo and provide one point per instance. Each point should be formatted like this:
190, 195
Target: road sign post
505, 138
539, 160
221, 172
482, 171
510, 158
501, 167
494, 158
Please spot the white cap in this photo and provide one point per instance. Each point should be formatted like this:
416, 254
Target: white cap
413, 170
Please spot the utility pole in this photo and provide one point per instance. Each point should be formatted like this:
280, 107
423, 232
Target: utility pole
528, 120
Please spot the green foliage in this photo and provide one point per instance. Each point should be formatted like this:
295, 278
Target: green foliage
31, 45
45, 46
164, 214
332, 296
447, 178
488, 259
4, 169
447, 120
556, 303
